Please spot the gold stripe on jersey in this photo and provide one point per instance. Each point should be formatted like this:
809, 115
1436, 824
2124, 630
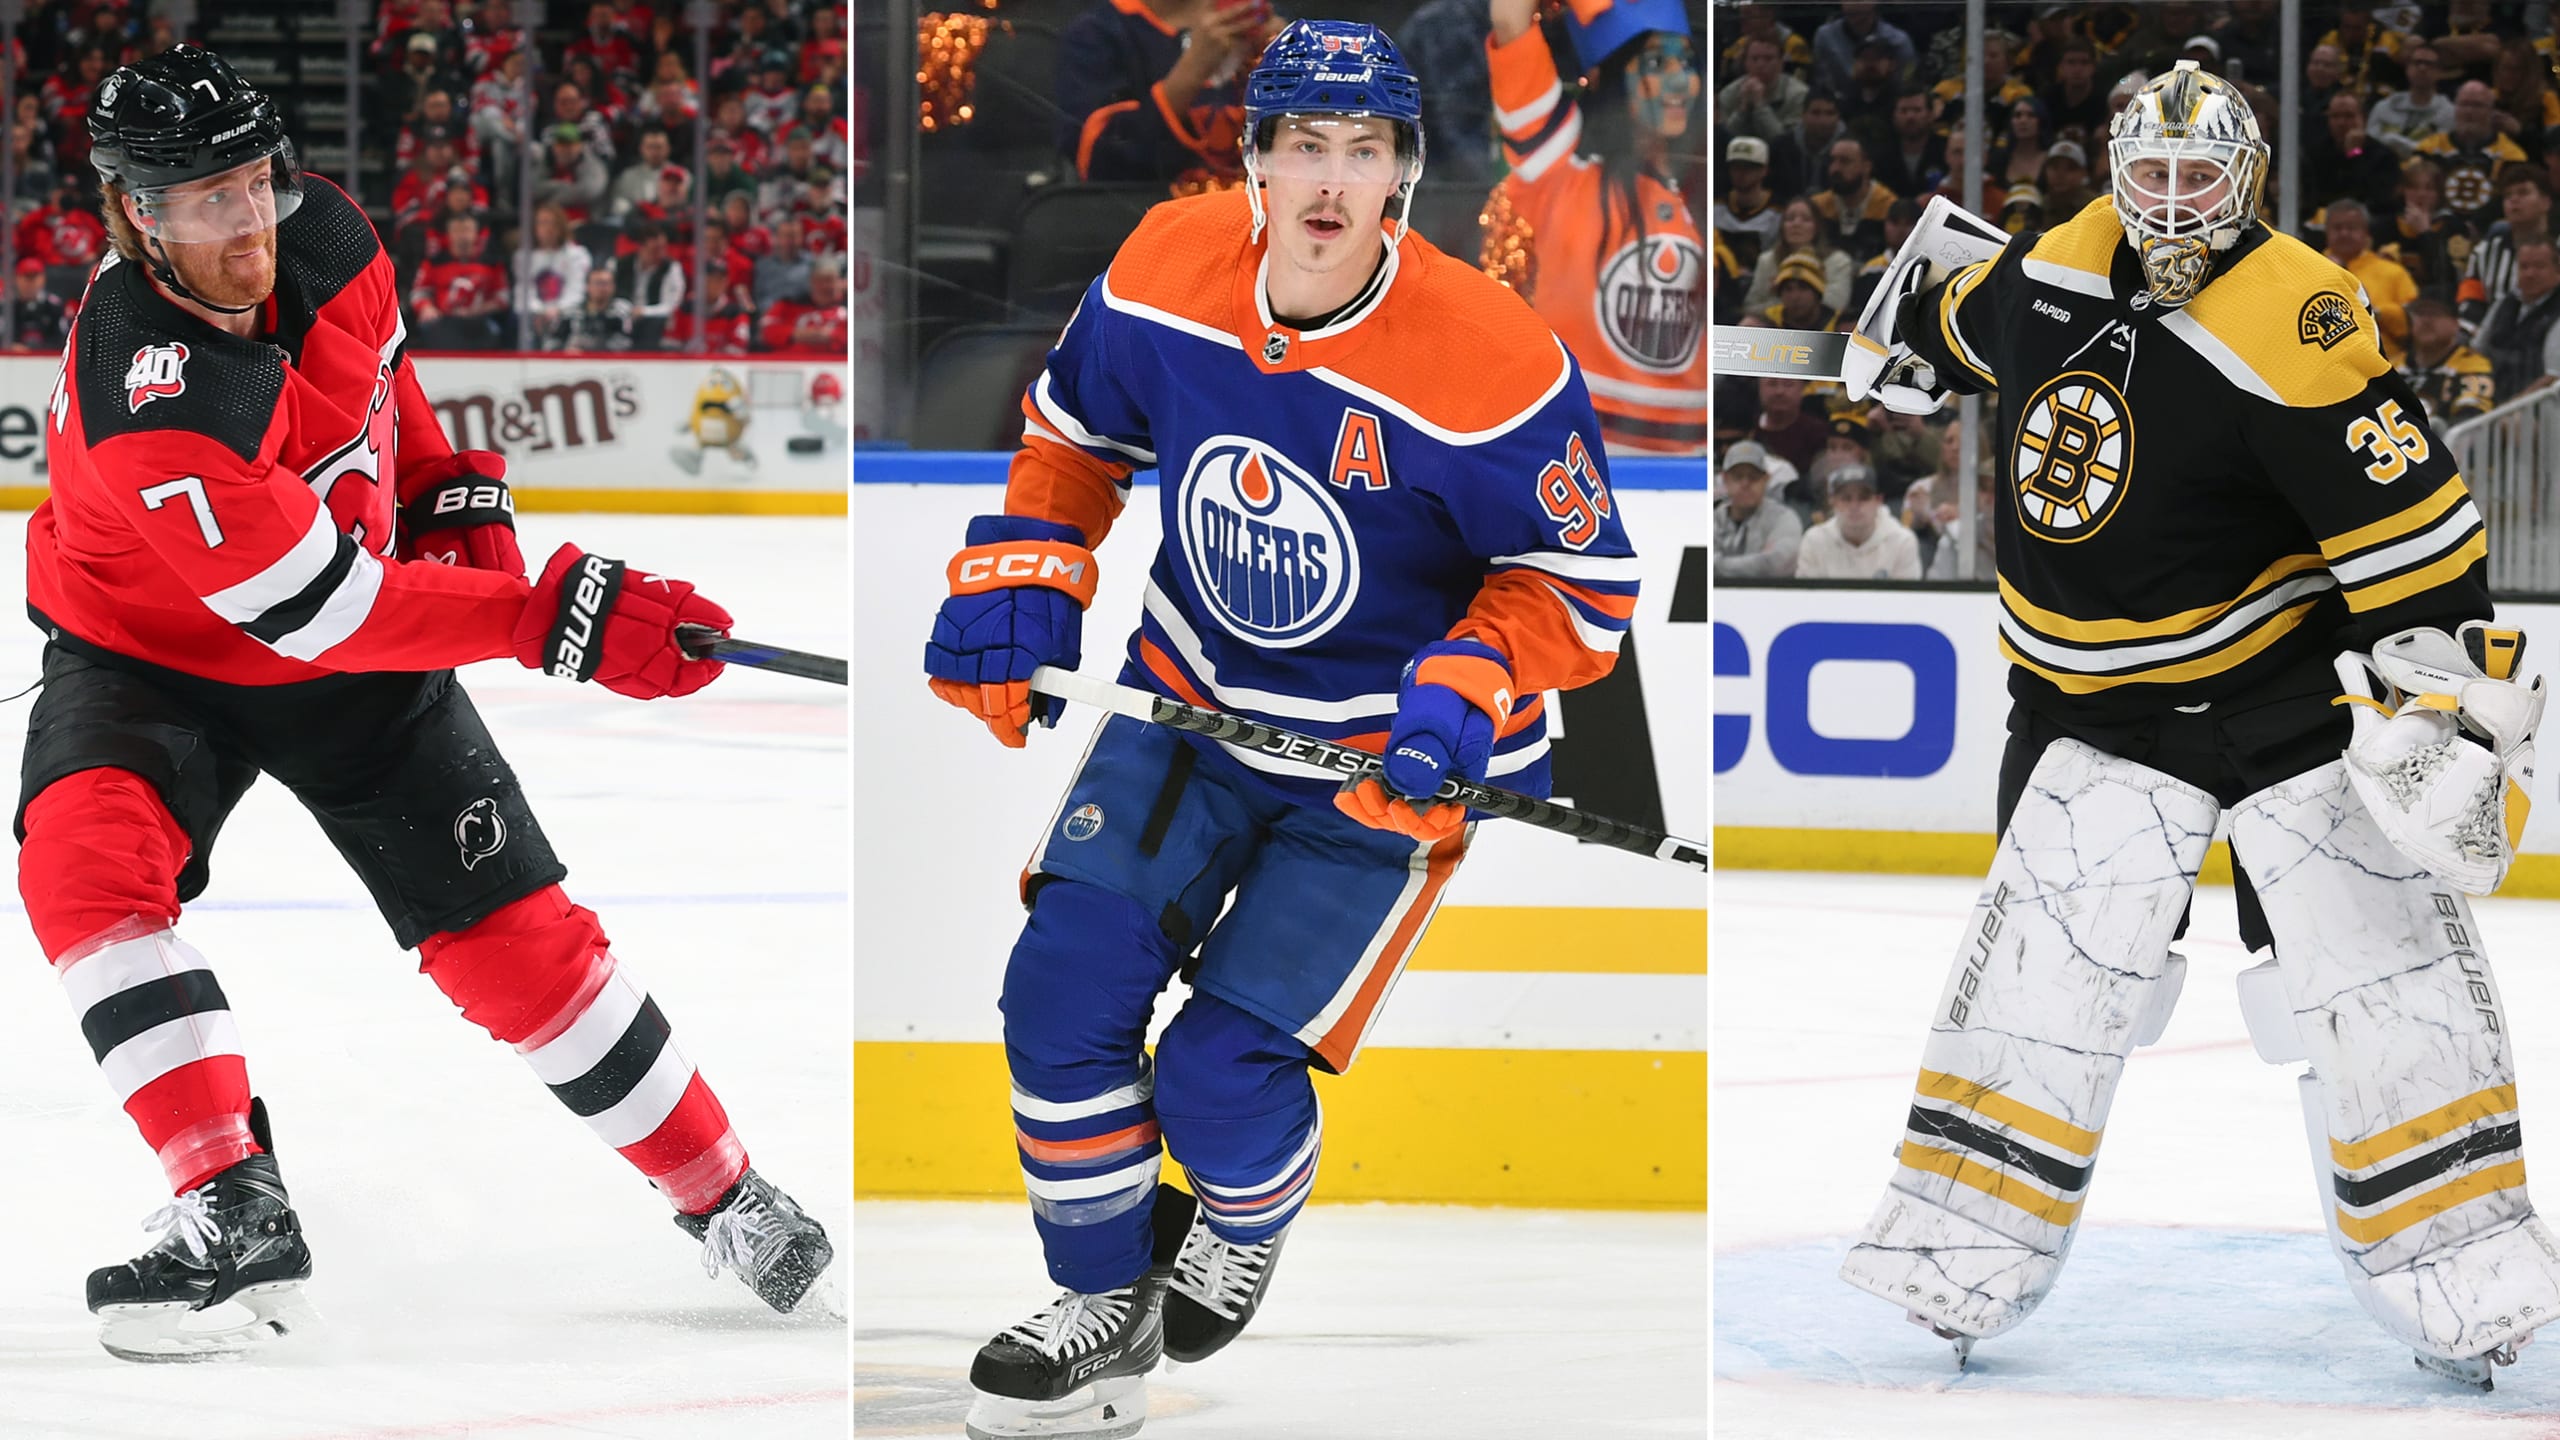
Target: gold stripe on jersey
2103, 632
1948, 299
2433, 542
2254, 312
2229, 657
2086, 242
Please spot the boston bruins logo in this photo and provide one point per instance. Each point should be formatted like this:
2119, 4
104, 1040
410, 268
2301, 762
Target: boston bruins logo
2327, 318
2075, 448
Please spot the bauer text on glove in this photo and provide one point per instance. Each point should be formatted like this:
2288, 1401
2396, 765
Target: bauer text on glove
596, 619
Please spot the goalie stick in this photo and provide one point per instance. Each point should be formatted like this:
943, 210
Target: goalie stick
1787, 354
701, 642
1358, 764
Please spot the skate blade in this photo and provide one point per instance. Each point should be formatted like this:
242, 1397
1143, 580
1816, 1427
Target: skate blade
1962, 1342
1103, 1410
824, 1299
161, 1334
2477, 1371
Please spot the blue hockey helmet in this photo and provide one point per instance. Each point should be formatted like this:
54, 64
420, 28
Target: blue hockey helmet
1331, 67
1613, 23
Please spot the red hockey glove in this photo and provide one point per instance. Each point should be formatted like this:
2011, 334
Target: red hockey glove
464, 515
596, 619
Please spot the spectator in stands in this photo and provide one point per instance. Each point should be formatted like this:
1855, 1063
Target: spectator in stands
419, 195
462, 195
2076, 101
572, 177
2004, 87
32, 150
651, 280
2527, 110
2324, 73
2019, 158
570, 106
1760, 22
551, 273
736, 264
2472, 153
1946, 559
732, 316
2524, 199
1746, 218
829, 141
1866, 107
1854, 203
771, 101
744, 233
2453, 381
729, 122
794, 183
2158, 38
66, 104
1802, 231
1766, 101
1796, 159
1929, 508
1836, 46
2424, 235
1792, 430
672, 208
638, 182
66, 230
1851, 442
2064, 182
2349, 229
458, 301
606, 45
814, 323
605, 100
435, 113
1754, 540
2514, 333
1898, 224
2251, 44
2345, 160
405, 96
36, 319
1861, 541
1149, 90
600, 324
674, 105
489, 37
721, 176
2404, 118
1914, 159
785, 272
500, 114
1799, 305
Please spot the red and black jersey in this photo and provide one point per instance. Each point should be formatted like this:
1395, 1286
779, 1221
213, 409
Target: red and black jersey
224, 506
782, 328
459, 287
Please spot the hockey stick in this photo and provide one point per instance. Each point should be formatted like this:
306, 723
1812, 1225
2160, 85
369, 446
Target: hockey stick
1787, 354
701, 642
1358, 764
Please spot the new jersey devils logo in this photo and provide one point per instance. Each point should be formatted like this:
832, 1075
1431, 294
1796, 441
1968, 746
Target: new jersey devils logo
1652, 302
156, 371
480, 831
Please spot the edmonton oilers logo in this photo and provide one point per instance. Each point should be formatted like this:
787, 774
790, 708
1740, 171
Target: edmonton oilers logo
1652, 301
1269, 549
1084, 823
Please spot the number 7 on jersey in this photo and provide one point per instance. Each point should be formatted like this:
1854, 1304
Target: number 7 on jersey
155, 496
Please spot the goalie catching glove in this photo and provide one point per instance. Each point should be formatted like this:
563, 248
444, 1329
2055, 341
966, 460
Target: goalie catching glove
2443, 748
1946, 239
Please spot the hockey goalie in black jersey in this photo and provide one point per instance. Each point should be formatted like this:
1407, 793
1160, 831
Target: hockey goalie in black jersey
2239, 580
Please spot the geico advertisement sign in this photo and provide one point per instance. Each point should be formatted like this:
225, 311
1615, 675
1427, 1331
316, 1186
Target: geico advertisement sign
1857, 709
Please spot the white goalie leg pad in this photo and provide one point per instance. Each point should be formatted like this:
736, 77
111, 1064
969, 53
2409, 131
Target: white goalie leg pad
2061, 971
2410, 1102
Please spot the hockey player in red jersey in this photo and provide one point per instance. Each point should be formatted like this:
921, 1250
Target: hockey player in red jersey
260, 555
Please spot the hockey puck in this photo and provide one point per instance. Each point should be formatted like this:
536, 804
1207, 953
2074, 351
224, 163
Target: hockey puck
805, 445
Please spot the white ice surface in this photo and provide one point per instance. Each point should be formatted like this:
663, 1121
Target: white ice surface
1383, 1322
2200, 1298
486, 1266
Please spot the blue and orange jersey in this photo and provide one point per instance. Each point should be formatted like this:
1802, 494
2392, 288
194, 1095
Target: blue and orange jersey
1629, 299
1117, 124
1426, 466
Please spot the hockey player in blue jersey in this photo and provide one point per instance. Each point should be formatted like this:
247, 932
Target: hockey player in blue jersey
1387, 521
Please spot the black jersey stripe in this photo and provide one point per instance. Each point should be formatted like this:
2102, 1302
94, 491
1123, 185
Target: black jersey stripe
147, 1006
2061, 1174
621, 1068
288, 615
2486, 1144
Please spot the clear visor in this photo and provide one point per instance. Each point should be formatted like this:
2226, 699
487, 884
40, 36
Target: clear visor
2173, 189
232, 205
1334, 150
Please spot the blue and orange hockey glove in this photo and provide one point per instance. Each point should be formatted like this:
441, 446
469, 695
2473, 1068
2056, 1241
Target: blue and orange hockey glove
1454, 699
1018, 592
461, 513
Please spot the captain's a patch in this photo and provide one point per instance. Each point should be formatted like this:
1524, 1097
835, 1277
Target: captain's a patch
2327, 318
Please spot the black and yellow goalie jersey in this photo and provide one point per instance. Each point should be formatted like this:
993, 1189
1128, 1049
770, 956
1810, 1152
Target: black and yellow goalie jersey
2199, 504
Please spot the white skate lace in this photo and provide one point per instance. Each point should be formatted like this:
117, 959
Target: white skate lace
735, 1238
2483, 831
1074, 1323
1218, 1274
2408, 778
189, 1222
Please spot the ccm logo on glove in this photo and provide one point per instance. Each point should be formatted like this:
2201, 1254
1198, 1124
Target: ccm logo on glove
573, 655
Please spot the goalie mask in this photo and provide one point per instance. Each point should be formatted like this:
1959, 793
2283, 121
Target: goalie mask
2189, 172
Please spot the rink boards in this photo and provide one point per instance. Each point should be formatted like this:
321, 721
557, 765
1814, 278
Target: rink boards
580, 432
1547, 1045
1861, 728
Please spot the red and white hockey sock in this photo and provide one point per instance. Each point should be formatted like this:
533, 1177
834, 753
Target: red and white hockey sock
162, 1033
539, 975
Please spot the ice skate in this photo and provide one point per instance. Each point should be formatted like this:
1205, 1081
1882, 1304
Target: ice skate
1077, 1370
760, 1234
1212, 1287
225, 1277
2477, 1371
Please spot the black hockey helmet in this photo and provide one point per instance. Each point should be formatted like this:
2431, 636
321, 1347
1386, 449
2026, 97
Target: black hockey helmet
183, 115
